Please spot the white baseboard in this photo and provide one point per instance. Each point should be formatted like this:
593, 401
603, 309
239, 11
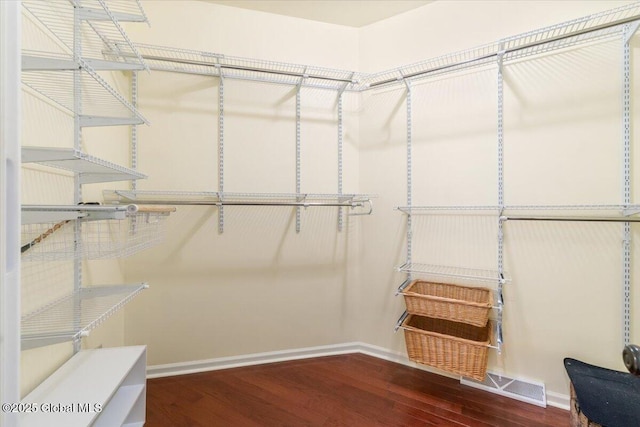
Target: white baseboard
157, 371
171, 369
558, 400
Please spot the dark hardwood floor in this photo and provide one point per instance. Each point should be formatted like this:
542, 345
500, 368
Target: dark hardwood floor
350, 390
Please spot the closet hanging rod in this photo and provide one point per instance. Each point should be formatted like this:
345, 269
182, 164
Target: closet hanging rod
238, 68
511, 50
359, 204
569, 218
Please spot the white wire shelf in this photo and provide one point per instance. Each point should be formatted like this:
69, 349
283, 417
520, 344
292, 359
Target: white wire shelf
188, 61
116, 234
100, 28
75, 315
90, 169
238, 199
442, 271
101, 104
124, 10
590, 28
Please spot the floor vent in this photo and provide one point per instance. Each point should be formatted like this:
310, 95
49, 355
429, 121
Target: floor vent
524, 391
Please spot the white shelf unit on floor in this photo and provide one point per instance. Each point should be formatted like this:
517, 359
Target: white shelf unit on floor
89, 169
113, 378
75, 315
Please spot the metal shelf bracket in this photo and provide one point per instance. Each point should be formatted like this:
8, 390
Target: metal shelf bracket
400, 320
630, 31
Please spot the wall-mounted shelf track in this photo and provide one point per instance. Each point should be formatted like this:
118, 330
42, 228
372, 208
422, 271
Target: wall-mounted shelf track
75, 315
89, 169
240, 199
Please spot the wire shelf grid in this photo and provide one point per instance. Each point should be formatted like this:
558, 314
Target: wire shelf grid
100, 239
452, 208
127, 10
590, 28
206, 63
588, 25
76, 314
454, 272
100, 27
578, 40
91, 169
99, 99
457, 61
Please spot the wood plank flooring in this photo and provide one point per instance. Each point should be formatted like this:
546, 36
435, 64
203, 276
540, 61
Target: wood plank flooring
350, 390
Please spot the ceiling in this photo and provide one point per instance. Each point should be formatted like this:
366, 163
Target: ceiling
352, 13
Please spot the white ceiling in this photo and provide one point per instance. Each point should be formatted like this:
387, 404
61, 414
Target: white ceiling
352, 13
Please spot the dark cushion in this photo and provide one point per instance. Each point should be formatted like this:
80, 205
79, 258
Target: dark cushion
606, 397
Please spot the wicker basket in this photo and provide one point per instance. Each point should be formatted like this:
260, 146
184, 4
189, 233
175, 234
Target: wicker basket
450, 302
454, 347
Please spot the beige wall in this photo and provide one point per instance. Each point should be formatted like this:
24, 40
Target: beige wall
259, 286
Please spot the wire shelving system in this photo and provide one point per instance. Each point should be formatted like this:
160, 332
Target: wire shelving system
75, 315
225, 67
615, 23
620, 23
81, 35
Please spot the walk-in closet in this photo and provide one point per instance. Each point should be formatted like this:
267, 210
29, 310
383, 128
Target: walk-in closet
359, 213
